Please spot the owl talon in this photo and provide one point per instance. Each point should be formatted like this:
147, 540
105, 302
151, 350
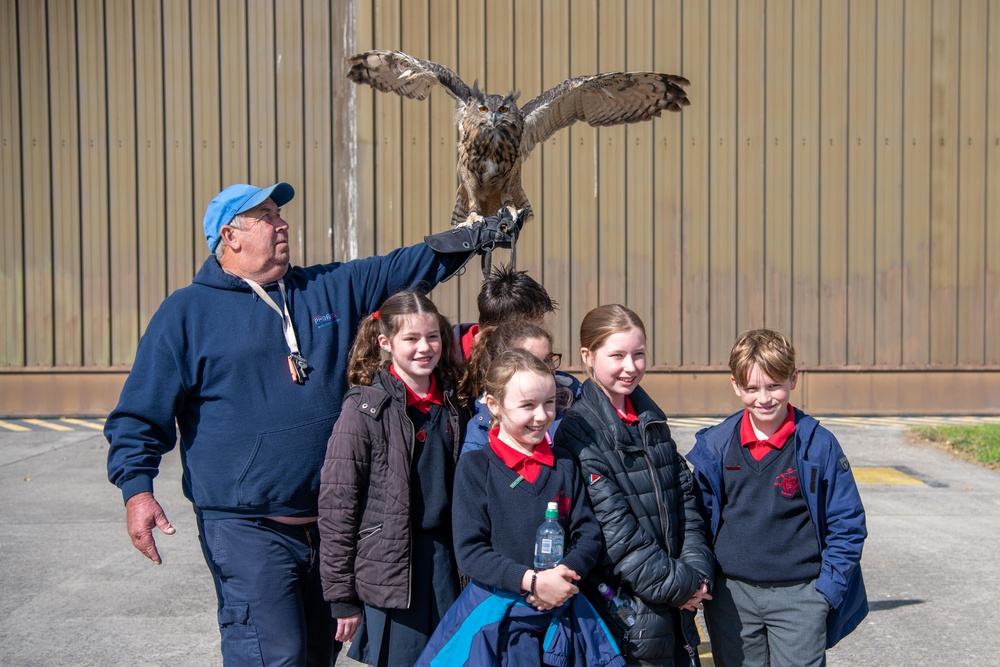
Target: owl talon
471, 220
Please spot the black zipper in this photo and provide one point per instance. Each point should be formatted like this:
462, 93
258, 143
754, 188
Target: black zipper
664, 521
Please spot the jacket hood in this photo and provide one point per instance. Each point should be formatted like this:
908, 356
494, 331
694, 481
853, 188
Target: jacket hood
211, 275
385, 387
805, 428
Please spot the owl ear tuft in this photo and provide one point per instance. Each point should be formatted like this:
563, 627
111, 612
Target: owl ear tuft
512, 97
477, 94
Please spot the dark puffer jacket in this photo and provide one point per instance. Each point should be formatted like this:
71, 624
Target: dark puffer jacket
654, 541
364, 498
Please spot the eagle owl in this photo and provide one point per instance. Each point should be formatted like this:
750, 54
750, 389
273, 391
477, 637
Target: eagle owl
496, 136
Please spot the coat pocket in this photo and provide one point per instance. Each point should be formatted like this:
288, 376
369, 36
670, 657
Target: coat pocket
365, 533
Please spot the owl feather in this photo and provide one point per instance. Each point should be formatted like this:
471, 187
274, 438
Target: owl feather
495, 136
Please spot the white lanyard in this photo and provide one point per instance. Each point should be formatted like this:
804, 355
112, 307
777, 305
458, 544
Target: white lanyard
297, 365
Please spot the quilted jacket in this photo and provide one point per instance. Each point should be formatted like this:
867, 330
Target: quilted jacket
655, 549
364, 498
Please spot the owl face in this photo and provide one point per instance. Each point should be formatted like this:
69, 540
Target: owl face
497, 111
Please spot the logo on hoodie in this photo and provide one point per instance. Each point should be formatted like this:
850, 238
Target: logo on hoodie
320, 321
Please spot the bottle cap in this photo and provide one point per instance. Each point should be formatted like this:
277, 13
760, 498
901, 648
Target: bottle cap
605, 591
552, 511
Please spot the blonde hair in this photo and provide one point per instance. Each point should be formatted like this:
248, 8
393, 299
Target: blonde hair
367, 357
508, 364
766, 348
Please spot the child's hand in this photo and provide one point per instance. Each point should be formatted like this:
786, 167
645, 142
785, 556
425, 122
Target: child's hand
697, 600
553, 587
566, 573
346, 627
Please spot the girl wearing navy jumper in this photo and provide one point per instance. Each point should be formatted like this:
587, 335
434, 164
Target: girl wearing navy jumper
655, 549
386, 485
501, 493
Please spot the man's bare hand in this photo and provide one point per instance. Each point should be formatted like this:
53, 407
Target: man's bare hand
142, 512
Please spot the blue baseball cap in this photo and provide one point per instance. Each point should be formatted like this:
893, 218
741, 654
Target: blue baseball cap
238, 199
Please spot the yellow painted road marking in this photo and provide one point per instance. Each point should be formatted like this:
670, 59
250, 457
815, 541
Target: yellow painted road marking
695, 422
705, 649
862, 421
14, 427
876, 476
51, 425
81, 422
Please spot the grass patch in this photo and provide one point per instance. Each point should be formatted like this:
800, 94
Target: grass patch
978, 442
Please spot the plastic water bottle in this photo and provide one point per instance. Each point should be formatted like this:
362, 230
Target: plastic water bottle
619, 604
549, 540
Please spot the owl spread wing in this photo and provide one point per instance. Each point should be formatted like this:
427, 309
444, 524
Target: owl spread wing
601, 99
397, 72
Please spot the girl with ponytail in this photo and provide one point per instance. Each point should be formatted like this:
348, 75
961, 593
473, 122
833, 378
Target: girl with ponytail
387, 560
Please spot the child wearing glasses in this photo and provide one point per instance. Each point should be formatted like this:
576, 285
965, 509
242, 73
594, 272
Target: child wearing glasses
490, 343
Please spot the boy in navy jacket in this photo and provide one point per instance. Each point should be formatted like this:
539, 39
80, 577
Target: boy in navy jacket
784, 518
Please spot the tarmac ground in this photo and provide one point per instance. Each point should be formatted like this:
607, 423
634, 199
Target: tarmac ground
74, 592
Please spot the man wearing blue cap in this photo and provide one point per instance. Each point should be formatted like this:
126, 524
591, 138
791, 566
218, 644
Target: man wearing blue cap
249, 363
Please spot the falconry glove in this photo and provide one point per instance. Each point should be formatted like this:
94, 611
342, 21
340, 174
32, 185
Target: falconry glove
497, 231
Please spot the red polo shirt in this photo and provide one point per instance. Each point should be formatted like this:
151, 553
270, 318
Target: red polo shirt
433, 397
467, 340
526, 466
759, 448
629, 416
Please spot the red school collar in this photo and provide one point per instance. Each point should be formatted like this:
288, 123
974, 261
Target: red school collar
777, 439
524, 465
629, 416
422, 403
468, 339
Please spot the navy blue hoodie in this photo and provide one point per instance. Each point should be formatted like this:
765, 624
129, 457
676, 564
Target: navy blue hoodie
214, 357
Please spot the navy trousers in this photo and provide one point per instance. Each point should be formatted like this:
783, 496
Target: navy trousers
271, 606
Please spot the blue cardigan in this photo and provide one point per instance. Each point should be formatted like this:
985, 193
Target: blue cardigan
214, 358
834, 507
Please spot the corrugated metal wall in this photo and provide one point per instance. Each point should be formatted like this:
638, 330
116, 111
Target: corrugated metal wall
835, 177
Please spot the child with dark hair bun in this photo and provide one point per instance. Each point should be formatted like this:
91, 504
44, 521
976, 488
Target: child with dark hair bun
386, 553
505, 295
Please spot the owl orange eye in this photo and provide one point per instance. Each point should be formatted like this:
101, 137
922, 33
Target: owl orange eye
483, 108
503, 109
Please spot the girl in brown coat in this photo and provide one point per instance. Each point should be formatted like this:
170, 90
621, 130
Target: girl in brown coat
387, 560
